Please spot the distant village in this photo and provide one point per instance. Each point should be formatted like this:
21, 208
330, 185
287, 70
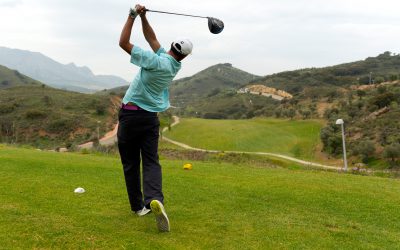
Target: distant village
266, 91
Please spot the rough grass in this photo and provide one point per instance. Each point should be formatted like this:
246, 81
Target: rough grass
293, 138
214, 206
48, 118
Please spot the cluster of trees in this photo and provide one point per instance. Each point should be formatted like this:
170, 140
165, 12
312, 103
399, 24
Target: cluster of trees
372, 124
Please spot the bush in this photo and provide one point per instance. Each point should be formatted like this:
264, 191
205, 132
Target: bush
100, 109
331, 139
61, 126
6, 108
214, 116
364, 149
35, 114
392, 152
382, 100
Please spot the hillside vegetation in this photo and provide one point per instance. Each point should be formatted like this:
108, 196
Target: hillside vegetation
263, 208
12, 78
384, 67
48, 118
372, 119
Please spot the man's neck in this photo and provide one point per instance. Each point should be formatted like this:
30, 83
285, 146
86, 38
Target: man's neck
173, 55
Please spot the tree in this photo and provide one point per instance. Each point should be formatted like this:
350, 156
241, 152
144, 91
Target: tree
364, 149
306, 114
361, 93
278, 113
383, 100
392, 152
291, 113
331, 139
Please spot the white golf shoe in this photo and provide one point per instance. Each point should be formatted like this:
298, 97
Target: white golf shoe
142, 212
161, 217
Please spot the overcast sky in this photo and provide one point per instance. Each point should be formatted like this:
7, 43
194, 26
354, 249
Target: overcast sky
260, 36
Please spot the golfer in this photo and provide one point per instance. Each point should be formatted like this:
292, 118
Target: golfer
138, 130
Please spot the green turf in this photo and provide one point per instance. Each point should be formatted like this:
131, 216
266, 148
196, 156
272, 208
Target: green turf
293, 138
214, 206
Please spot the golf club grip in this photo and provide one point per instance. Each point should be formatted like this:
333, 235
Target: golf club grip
178, 14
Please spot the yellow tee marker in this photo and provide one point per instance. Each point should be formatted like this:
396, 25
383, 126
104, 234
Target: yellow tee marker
188, 166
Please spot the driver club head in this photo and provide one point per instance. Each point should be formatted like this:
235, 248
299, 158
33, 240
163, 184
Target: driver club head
215, 25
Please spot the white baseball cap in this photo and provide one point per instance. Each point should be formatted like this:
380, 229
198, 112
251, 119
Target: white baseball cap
183, 45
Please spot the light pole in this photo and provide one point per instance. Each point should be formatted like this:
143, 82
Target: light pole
341, 123
370, 78
98, 131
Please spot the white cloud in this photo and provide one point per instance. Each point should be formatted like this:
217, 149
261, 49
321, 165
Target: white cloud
10, 3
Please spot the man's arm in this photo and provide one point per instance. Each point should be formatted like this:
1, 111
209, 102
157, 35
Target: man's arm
124, 40
148, 31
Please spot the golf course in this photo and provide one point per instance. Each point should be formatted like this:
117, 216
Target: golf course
293, 138
216, 205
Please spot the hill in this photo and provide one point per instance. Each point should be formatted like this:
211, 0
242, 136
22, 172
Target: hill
12, 78
381, 68
263, 207
208, 82
55, 74
44, 117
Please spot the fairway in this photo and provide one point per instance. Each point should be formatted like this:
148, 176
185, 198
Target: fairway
213, 206
292, 138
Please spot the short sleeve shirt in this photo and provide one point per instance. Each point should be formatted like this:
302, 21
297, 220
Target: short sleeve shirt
149, 89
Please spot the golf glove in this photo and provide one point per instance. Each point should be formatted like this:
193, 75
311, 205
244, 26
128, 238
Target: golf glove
133, 13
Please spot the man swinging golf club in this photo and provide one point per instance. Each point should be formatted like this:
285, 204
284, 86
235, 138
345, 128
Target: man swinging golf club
138, 130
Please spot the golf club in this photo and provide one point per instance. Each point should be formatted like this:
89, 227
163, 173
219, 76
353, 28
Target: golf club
214, 25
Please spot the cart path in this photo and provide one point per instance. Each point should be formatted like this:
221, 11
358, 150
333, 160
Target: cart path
109, 139
185, 146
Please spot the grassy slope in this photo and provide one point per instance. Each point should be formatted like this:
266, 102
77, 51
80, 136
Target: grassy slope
213, 206
47, 117
11, 78
294, 138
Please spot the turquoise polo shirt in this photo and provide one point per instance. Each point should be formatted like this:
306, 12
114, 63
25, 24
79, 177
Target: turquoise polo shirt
149, 89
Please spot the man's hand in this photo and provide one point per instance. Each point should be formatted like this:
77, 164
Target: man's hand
133, 13
138, 10
141, 10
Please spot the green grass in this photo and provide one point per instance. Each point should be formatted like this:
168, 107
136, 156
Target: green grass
293, 138
214, 206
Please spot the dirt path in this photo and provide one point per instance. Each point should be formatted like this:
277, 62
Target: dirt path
185, 146
109, 139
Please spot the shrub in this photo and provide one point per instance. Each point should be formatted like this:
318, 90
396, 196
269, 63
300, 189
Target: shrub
35, 114
6, 108
61, 126
382, 100
214, 116
331, 139
392, 152
364, 149
100, 109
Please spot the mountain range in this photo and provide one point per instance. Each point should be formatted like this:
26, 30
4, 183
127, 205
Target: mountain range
55, 74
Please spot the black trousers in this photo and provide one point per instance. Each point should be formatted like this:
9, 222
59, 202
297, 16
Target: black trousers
138, 134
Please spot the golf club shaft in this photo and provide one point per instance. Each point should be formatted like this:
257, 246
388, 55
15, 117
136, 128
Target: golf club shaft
164, 12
